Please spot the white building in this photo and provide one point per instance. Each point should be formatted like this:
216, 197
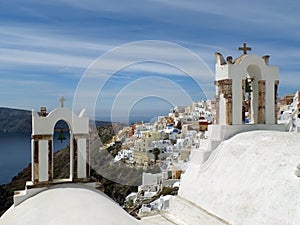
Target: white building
124, 154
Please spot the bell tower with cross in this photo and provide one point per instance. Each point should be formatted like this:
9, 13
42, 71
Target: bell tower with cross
42, 145
246, 89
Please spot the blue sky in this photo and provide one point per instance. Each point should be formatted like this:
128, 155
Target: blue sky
46, 47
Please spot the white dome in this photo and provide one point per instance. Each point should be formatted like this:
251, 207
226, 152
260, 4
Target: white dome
68, 204
249, 179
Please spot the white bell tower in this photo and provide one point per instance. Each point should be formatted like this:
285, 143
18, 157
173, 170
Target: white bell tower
42, 144
246, 97
246, 89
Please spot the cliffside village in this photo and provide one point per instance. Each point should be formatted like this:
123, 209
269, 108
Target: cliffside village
170, 140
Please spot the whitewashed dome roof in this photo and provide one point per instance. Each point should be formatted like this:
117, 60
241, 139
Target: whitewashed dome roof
249, 179
65, 204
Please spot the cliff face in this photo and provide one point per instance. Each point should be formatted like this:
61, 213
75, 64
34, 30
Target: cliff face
15, 121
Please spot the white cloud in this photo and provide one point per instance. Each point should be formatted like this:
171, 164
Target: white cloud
257, 12
46, 38
26, 57
36, 47
168, 58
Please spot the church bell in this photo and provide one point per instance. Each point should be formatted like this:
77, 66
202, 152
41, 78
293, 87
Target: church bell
248, 85
61, 136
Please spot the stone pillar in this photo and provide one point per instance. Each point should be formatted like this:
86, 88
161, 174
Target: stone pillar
225, 88
75, 159
217, 109
42, 158
261, 102
229, 110
243, 101
276, 83
50, 161
35, 173
250, 108
87, 157
81, 156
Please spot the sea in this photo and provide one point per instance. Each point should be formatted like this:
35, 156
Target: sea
15, 153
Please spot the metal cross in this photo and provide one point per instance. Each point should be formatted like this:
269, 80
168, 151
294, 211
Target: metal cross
62, 100
244, 49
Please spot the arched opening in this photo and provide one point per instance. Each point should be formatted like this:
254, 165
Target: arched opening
61, 151
253, 107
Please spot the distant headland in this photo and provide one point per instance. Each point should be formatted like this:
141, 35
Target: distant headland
15, 120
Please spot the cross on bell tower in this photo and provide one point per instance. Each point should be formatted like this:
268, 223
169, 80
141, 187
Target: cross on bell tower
244, 49
62, 100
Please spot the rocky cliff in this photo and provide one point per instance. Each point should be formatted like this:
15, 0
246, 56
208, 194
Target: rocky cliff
15, 120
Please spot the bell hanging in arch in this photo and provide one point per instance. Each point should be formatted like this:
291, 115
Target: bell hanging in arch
61, 136
248, 85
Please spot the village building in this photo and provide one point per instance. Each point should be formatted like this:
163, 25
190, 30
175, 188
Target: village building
285, 102
290, 115
124, 155
296, 103
142, 146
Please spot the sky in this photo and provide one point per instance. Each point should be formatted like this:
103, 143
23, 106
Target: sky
135, 58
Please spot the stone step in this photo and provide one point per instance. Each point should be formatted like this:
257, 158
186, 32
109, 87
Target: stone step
192, 214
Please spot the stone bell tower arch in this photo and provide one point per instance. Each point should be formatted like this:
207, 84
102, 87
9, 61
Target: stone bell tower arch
246, 84
42, 144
